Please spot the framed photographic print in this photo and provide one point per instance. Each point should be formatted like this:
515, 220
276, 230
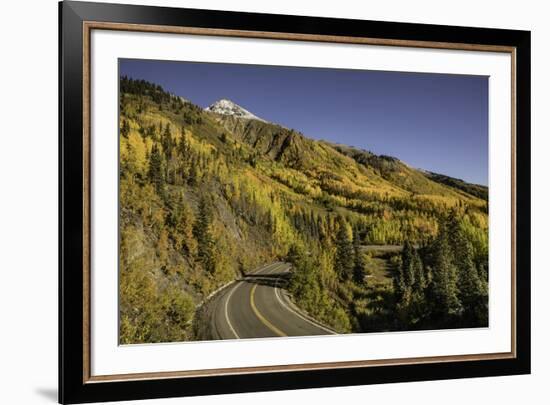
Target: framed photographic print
255, 202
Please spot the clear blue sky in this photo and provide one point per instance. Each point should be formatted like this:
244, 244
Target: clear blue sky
435, 122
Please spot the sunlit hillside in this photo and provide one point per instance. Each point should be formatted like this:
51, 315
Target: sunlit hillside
206, 197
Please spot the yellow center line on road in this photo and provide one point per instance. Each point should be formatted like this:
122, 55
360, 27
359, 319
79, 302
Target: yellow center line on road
262, 319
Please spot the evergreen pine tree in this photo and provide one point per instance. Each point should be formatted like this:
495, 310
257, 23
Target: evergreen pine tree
345, 258
399, 286
167, 142
472, 292
417, 305
444, 288
203, 234
156, 170
409, 286
183, 145
192, 177
295, 253
181, 220
408, 264
125, 130
360, 263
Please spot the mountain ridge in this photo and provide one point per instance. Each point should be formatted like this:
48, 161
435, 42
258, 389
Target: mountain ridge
275, 141
238, 120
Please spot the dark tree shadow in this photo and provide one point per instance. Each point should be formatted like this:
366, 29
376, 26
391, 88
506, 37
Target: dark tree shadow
270, 280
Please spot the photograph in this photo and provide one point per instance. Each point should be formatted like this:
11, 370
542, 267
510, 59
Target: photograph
261, 201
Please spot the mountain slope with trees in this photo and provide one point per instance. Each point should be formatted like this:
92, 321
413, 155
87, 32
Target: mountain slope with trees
206, 197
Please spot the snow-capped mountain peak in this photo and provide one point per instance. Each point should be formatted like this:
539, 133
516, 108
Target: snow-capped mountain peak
228, 107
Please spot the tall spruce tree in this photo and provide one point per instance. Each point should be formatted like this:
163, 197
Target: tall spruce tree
417, 307
167, 141
203, 234
182, 220
156, 170
183, 145
192, 177
399, 286
444, 288
409, 286
345, 258
473, 293
408, 264
420, 281
125, 129
360, 262
295, 253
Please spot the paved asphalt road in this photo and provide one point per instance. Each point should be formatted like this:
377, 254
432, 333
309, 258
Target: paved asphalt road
257, 307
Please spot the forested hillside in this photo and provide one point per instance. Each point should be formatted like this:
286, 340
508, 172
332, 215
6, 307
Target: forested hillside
206, 197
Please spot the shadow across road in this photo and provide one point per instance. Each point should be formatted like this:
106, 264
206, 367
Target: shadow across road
269, 280
259, 306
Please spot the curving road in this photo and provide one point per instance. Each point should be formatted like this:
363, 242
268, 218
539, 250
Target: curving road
257, 306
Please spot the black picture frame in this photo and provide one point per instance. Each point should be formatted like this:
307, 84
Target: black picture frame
73, 387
